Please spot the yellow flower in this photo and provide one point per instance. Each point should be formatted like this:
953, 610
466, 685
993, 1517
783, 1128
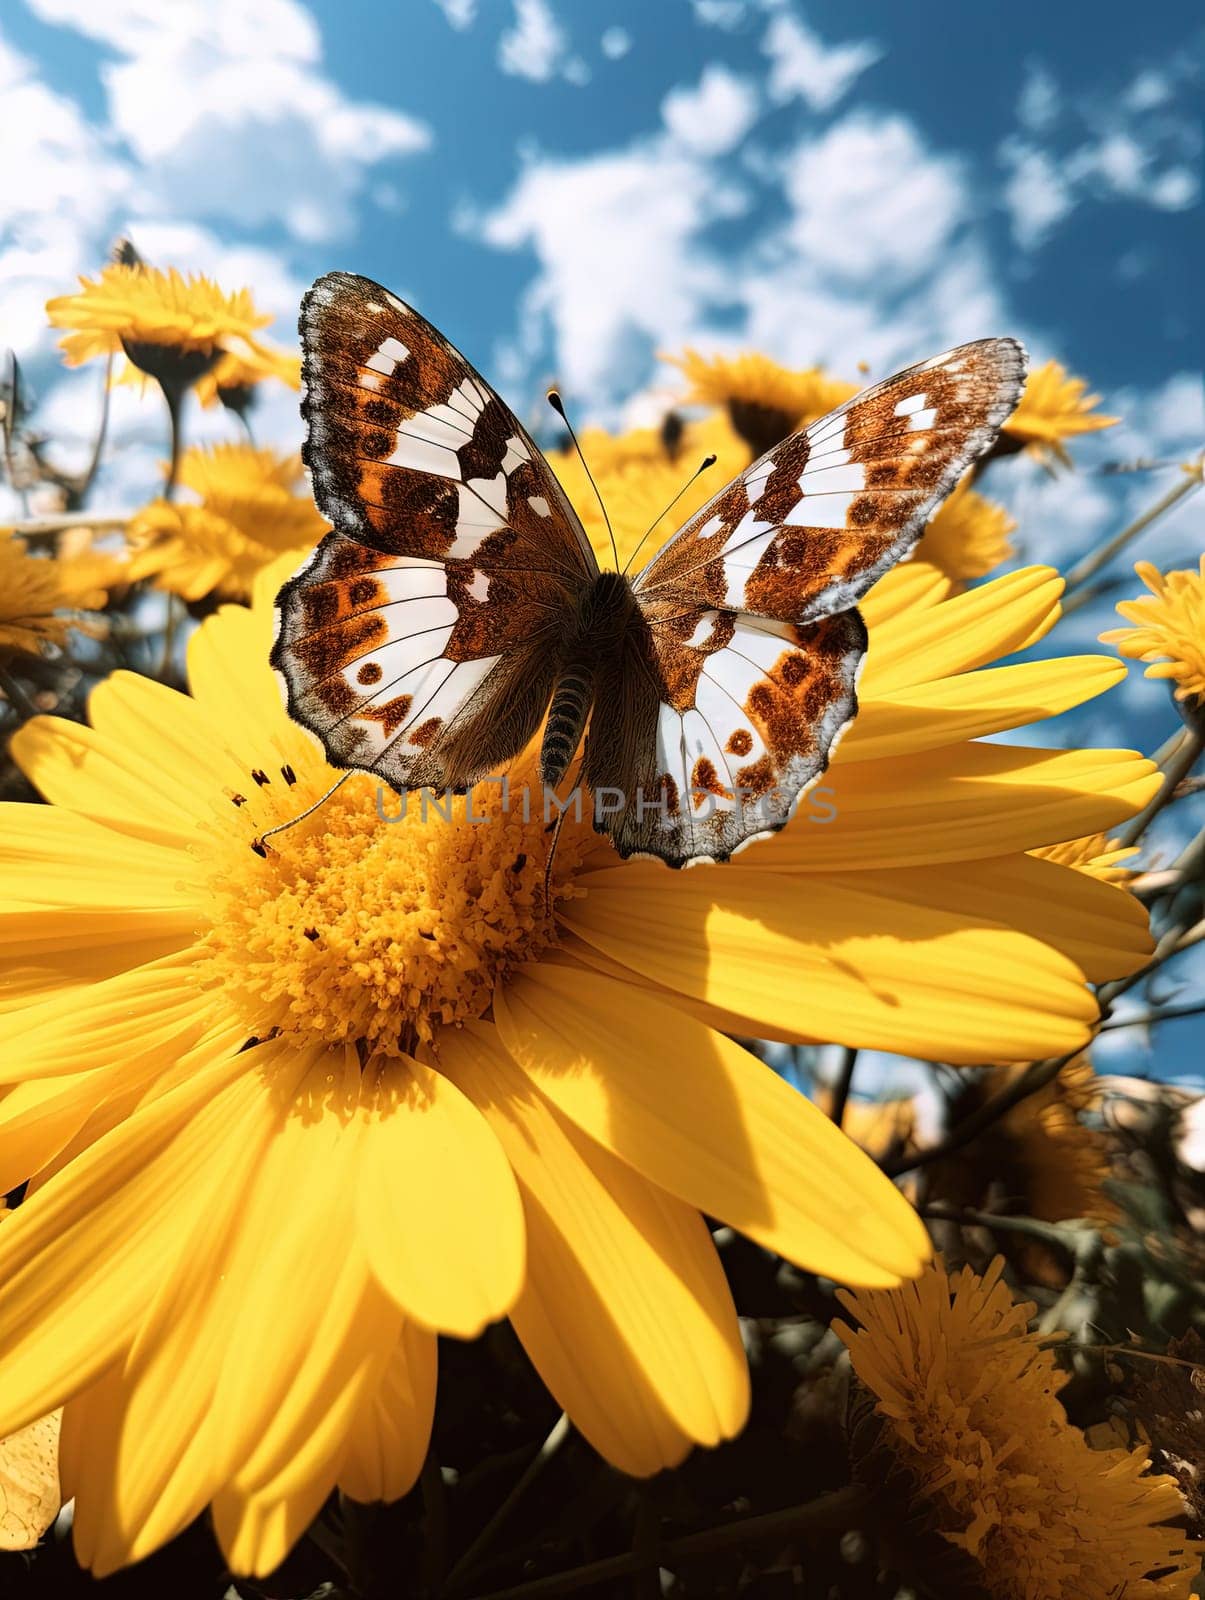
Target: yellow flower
1169, 628
966, 1412
249, 512
289, 1110
968, 535
140, 309
637, 477
246, 366
1096, 854
1039, 1160
1053, 408
754, 380
39, 593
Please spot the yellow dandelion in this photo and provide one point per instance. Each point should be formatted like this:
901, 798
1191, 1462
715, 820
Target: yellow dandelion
241, 369
289, 1111
966, 1413
42, 596
1055, 407
968, 536
165, 323
1168, 628
251, 507
1096, 854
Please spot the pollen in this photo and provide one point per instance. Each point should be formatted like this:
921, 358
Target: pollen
382, 918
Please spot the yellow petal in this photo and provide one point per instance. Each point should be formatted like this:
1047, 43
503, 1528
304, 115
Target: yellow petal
81, 1260
709, 1122
119, 785
133, 1012
837, 956
1099, 926
53, 857
226, 657
44, 953
920, 645
625, 1310
425, 1152
924, 716
388, 1436
966, 801
909, 588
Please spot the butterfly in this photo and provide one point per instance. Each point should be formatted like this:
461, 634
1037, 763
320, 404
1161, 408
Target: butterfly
457, 604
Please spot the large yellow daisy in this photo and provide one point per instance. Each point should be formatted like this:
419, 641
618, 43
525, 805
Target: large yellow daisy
290, 1110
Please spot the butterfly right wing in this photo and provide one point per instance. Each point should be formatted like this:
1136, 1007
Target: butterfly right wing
422, 640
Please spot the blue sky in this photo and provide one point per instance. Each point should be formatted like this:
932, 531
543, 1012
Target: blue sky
569, 186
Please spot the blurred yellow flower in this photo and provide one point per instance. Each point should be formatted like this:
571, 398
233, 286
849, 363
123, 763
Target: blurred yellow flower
966, 1412
638, 476
141, 310
1168, 628
1096, 854
371, 1055
245, 366
968, 536
1054, 408
41, 595
252, 506
1038, 1160
765, 401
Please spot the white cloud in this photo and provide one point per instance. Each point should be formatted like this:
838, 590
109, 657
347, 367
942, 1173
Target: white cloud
460, 13
869, 203
714, 116
618, 271
1036, 193
60, 184
876, 259
725, 14
802, 65
615, 43
227, 110
1149, 89
535, 46
1174, 190
1039, 102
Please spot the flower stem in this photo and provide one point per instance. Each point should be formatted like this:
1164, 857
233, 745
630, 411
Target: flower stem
1093, 562
1179, 764
843, 1084
174, 397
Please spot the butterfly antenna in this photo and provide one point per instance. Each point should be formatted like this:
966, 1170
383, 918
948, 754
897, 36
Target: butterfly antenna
558, 405
707, 461
556, 835
257, 844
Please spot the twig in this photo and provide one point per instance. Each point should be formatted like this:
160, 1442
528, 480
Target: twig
1150, 1019
33, 527
840, 1509
843, 1084
1179, 765
485, 1538
1092, 563
89, 477
1035, 1077
1064, 1238
16, 694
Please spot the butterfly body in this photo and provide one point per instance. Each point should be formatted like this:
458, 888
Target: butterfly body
457, 603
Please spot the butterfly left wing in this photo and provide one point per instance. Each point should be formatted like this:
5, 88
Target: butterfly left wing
422, 639
753, 645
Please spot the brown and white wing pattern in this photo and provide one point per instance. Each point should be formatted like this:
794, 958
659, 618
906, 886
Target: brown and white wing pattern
422, 639
729, 719
752, 641
805, 531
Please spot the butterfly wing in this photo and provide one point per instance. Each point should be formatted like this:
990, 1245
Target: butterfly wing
752, 640
422, 639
